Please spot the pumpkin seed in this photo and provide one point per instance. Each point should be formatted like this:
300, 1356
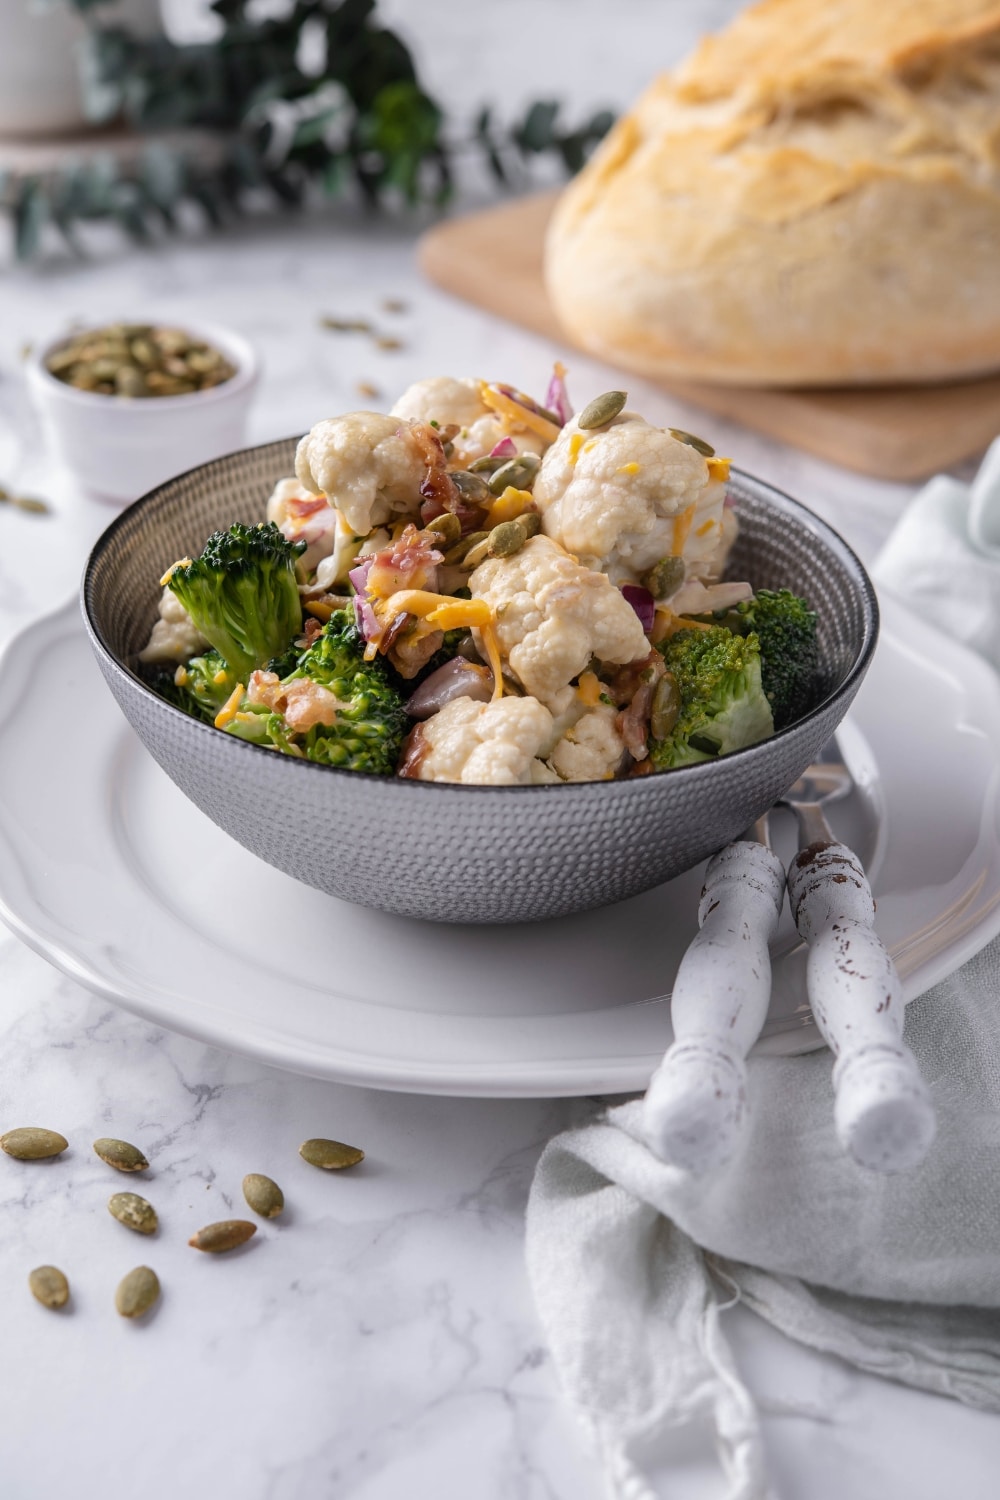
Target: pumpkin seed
330, 1155
30, 504
225, 1235
602, 410
471, 487
30, 1143
665, 577
136, 360
458, 553
693, 442
134, 1212
49, 1286
137, 1292
477, 554
448, 527
120, 1155
263, 1195
531, 521
506, 539
488, 464
666, 707
519, 472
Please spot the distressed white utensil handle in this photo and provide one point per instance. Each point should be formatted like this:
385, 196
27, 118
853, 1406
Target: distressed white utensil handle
695, 1105
884, 1114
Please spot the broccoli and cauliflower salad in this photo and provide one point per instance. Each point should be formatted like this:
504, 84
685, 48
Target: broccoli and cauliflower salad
479, 588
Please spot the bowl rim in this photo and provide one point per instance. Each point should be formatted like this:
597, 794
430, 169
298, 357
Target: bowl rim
228, 340
857, 670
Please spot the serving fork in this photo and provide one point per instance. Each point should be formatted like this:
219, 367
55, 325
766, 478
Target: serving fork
696, 1104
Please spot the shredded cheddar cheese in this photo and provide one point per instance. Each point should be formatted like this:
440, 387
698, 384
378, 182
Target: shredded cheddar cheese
718, 468
705, 528
182, 677
589, 445
682, 525
508, 506
220, 677
666, 624
588, 689
516, 415
576, 442
493, 655
184, 562
629, 469
231, 707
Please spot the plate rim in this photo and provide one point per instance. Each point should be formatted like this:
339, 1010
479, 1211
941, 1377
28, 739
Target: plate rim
495, 1079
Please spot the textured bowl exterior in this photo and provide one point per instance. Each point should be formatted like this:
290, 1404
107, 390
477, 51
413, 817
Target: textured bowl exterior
465, 853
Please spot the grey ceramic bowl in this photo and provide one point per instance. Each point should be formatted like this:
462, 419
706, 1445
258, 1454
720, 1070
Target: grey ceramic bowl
464, 853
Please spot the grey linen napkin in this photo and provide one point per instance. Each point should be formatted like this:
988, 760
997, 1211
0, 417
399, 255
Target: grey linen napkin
631, 1262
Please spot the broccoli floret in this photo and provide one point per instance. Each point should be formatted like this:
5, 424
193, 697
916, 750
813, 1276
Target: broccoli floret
369, 728
241, 594
722, 705
200, 687
789, 650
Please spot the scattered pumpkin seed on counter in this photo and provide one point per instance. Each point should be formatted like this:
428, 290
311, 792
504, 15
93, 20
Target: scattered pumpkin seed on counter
137, 1292
49, 1286
138, 360
121, 1155
227, 1234
263, 1195
134, 1212
31, 1143
330, 1155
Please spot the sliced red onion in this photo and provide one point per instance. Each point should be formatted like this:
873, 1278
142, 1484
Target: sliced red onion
557, 397
359, 575
506, 448
730, 501
458, 678
366, 619
642, 602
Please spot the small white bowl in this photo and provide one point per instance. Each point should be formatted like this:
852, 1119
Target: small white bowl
120, 447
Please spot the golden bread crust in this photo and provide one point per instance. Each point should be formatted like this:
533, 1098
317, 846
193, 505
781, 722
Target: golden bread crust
812, 198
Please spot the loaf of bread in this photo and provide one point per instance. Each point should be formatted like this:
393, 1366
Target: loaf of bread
812, 198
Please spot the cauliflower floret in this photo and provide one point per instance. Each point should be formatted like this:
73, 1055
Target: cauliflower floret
366, 464
174, 637
592, 749
487, 744
552, 615
303, 517
627, 495
447, 401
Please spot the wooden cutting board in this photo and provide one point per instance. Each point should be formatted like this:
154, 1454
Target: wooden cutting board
494, 259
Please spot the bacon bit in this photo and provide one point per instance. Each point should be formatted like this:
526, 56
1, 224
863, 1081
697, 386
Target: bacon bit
309, 703
414, 649
313, 628
436, 488
633, 722
641, 768
264, 688
416, 748
627, 680
409, 563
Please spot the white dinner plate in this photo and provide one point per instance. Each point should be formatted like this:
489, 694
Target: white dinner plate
111, 874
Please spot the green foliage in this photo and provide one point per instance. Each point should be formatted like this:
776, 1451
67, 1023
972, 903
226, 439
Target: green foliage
371, 720
361, 123
722, 702
786, 629
242, 595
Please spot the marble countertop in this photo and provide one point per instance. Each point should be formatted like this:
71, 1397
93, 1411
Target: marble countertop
379, 1340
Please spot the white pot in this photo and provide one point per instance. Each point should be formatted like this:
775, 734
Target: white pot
39, 39
117, 448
